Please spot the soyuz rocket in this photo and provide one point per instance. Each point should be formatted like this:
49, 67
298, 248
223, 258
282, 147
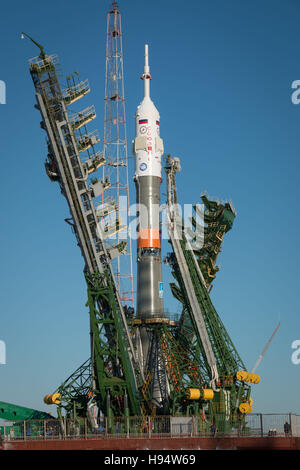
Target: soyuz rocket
148, 149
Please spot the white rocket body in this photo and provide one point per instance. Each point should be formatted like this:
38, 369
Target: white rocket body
148, 146
148, 149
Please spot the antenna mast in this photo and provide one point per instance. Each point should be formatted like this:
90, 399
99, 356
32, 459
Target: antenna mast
116, 198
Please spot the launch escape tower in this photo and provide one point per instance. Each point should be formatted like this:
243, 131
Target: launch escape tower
144, 364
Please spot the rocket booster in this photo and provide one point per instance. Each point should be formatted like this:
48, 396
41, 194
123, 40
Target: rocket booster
148, 149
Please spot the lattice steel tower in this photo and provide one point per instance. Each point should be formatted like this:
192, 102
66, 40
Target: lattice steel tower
115, 200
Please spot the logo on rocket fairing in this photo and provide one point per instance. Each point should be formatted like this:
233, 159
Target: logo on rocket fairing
143, 129
143, 166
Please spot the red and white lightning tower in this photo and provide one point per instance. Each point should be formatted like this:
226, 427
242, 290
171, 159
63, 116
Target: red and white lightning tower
115, 199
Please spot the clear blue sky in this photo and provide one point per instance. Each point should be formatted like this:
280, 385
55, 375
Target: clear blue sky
222, 74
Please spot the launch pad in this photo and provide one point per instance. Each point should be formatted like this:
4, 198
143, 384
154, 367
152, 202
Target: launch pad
143, 364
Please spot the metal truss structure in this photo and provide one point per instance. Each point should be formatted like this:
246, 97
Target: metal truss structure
192, 365
116, 197
73, 161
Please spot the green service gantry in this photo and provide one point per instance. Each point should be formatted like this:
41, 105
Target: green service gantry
193, 262
201, 371
114, 374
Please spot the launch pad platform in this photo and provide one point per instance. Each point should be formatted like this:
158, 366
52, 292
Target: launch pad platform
171, 443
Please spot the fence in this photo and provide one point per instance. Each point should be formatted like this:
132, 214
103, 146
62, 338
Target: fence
254, 425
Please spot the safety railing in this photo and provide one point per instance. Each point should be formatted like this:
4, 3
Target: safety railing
254, 425
75, 92
43, 64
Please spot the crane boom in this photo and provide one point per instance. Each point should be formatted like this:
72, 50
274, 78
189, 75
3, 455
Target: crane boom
265, 349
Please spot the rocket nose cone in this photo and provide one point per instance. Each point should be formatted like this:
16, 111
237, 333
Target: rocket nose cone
147, 106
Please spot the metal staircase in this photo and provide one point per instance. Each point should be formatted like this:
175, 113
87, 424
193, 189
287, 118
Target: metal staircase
68, 164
